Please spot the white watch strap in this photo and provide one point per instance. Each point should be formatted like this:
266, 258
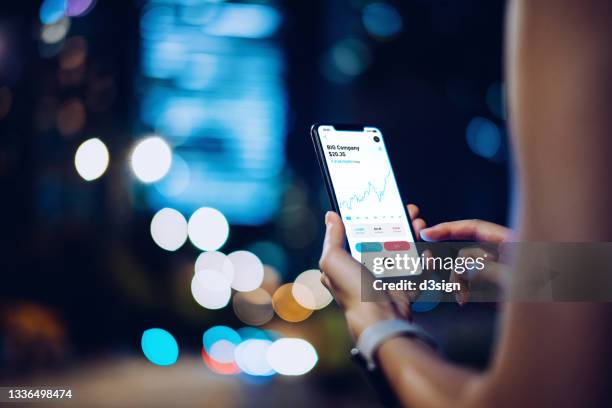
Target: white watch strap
373, 336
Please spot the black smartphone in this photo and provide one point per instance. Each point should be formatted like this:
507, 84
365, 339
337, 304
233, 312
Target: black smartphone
362, 188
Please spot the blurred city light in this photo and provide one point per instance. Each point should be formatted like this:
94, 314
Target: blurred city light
169, 229
251, 357
309, 292
217, 261
271, 280
287, 307
351, 57
291, 356
78, 8
253, 308
244, 20
219, 101
51, 11
151, 159
218, 367
208, 229
483, 137
222, 351
382, 20
211, 289
91, 159
177, 180
159, 347
248, 271
217, 333
71, 117
56, 32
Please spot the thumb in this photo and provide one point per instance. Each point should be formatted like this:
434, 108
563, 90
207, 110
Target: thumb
334, 233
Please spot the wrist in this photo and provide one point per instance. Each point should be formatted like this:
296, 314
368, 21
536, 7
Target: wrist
365, 314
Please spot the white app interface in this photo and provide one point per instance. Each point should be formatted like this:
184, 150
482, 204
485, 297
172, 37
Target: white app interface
366, 191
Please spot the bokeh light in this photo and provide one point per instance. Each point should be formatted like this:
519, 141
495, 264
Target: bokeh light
91, 159
52, 11
217, 261
291, 356
287, 307
483, 137
56, 32
217, 333
177, 180
73, 53
218, 367
248, 271
381, 20
271, 280
159, 347
346, 60
251, 357
169, 229
208, 229
151, 159
78, 8
71, 117
211, 289
309, 292
253, 308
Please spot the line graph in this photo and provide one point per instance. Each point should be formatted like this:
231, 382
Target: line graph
370, 190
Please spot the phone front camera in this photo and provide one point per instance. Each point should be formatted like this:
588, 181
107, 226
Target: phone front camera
376, 139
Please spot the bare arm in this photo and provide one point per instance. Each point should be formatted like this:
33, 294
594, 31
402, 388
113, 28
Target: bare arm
560, 77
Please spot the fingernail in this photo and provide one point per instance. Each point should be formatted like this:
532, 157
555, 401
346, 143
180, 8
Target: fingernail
327, 215
423, 234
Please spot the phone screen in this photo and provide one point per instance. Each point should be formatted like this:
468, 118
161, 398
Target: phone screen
365, 190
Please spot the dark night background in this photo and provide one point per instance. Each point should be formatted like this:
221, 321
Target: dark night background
78, 257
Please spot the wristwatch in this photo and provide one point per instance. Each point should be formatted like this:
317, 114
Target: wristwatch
372, 337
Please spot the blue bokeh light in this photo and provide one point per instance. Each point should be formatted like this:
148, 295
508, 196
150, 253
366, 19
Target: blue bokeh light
483, 137
159, 347
382, 20
216, 333
51, 11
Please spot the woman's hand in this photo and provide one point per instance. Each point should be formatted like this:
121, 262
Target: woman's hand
342, 275
473, 230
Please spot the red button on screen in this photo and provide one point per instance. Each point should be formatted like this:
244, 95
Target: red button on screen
397, 246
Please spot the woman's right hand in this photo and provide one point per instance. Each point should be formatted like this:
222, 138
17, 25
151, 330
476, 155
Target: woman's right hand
472, 230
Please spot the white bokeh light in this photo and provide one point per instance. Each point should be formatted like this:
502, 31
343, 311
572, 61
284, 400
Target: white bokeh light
309, 292
91, 159
169, 229
291, 356
217, 261
151, 159
248, 271
251, 357
222, 351
208, 229
211, 289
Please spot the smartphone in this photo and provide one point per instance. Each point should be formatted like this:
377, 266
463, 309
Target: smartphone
362, 189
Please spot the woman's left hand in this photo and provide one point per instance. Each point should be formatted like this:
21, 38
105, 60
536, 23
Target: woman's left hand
342, 275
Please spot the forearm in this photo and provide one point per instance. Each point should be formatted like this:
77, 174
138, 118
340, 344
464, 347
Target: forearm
422, 378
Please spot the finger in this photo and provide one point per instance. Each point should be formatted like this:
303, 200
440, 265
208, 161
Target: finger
418, 224
334, 232
462, 296
413, 211
472, 230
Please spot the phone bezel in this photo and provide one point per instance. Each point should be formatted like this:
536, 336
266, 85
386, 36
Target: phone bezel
329, 186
